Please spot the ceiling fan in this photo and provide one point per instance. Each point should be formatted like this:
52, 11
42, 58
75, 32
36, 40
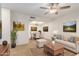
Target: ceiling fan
54, 8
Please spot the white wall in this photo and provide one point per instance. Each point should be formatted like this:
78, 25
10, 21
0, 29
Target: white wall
22, 36
48, 34
5, 17
57, 25
39, 27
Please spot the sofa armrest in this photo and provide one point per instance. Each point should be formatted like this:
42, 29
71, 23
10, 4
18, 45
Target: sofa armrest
77, 40
77, 44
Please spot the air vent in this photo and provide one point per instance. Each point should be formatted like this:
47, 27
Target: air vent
32, 17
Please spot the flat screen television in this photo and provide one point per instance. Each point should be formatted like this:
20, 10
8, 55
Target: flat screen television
69, 26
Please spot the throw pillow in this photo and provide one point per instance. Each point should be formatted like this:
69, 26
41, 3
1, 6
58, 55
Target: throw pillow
72, 39
60, 37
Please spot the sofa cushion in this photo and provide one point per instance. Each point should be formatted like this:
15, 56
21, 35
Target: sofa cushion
60, 37
72, 40
66, 43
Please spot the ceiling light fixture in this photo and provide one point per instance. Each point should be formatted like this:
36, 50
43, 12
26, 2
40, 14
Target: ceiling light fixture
53, 10
36, 22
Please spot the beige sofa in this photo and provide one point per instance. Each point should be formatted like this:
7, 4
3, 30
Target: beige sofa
72, 46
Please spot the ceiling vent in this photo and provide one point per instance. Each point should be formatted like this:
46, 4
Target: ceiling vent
32, 18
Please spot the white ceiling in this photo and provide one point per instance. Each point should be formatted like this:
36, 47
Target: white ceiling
33, 9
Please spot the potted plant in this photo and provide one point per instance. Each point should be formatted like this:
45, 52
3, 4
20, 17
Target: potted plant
13, 39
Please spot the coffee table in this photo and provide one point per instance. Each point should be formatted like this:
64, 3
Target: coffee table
53, 49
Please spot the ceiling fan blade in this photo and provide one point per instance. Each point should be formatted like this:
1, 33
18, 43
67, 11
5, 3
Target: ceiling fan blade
65, 7
43, 7
46, 13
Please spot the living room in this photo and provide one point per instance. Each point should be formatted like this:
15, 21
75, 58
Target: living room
50, 26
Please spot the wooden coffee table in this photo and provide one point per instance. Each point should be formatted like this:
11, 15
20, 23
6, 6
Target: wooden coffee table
54, 49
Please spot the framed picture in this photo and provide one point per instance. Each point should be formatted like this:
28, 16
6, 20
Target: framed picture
0, 29
69, 26
45, 29
33, 28
18, 26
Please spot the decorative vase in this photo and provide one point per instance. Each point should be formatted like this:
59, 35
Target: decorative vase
13, 45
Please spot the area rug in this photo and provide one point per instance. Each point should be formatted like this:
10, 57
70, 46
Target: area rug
40, 52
